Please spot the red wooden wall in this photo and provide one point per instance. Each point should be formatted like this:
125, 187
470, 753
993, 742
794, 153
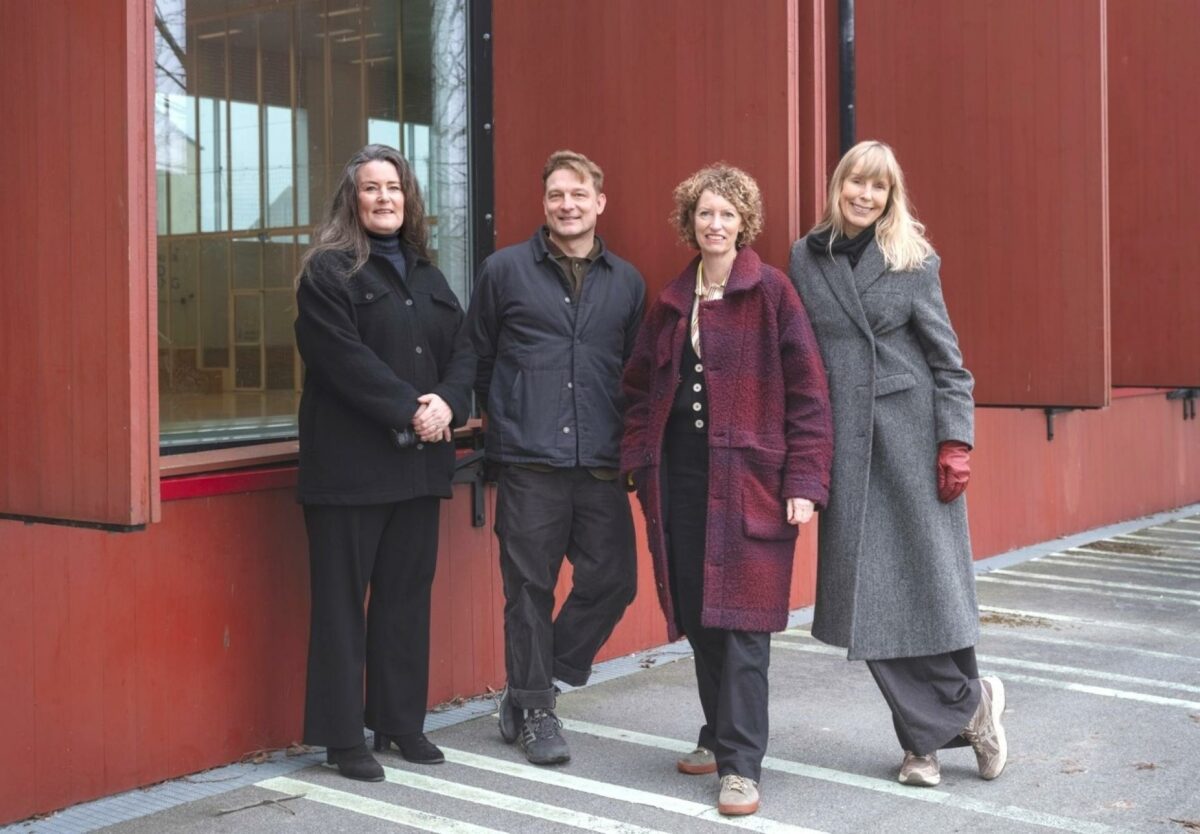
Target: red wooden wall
132, 658
78, 431
1154, 159
996, 109
652, 92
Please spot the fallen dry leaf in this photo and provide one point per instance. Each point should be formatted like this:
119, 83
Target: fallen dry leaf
1190, 825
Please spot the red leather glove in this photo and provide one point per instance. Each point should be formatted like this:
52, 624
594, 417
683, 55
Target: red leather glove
953, 469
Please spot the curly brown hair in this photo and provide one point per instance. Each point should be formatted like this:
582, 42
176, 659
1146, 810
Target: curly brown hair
727, 181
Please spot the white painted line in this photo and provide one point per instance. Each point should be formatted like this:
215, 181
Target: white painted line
1018, 634
1049, 586
1105, 691
1179, 544
1099, 583
1034, 665
1094, 565
1187, 521
1167, 531
1133, 557
373, 807
1188, 566
1088, 621
514, 804
854, 780
663, 802
1038, 666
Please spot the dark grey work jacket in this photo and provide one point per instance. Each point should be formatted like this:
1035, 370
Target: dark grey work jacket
372, 343
549, 367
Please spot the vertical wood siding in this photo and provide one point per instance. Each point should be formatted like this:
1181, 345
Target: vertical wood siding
996, 110
77, 430
1154, 157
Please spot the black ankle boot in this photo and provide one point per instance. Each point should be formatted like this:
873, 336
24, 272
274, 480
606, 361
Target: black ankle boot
414, 747
355, 763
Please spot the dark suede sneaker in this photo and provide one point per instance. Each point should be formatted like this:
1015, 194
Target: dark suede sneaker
511, 717
541, 738
985, 732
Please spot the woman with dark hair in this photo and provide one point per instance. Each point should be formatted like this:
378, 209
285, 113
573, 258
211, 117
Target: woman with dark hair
727, 439
895, 584
388, 372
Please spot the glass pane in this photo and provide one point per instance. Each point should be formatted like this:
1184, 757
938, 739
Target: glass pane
214, 303
246, 263
181, 293
279, 314
258, 104
279, 270
248, 371
247, 319
244, 139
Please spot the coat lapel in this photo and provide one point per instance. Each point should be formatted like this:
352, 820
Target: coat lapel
870, 267
836, 272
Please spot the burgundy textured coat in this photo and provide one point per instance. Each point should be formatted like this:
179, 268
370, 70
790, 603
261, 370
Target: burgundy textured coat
770, 437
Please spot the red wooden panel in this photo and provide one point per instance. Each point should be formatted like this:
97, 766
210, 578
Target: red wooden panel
1154, 157
691, 83
76, 418
996, 110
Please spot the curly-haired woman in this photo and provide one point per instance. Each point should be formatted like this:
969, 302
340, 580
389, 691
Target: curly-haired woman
728, 441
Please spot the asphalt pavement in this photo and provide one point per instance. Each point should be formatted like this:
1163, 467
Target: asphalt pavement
1094, 637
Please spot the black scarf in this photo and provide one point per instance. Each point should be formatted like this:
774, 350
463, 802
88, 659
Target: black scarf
852, 247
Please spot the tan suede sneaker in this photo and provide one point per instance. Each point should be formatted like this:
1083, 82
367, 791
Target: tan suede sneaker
920, 771
698, 762
739, 796
985, 731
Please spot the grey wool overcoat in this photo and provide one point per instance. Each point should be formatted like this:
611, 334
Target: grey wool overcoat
894, 575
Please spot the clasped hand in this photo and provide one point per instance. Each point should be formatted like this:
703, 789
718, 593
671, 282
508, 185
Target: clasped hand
432, 420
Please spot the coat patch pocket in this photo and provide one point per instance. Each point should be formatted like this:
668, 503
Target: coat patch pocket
886, 310
764, 510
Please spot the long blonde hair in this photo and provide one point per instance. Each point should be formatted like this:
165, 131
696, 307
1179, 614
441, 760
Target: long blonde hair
900, 236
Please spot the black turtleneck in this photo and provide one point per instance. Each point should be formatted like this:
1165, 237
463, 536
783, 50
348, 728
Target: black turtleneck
851, 247
389, 247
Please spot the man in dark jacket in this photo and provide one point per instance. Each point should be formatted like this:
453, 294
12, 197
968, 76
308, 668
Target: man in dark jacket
553, 320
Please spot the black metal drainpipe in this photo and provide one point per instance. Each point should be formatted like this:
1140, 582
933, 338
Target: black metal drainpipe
846, 73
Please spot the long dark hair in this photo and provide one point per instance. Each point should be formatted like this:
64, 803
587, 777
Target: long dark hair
341, 231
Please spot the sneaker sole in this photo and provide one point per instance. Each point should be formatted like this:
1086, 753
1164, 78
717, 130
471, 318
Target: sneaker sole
737, 810
920, 782
549, 760
696, 770
998, 706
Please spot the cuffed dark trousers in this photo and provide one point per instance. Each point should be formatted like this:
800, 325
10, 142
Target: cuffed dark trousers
931, 697
541, 517
392, 548
731, 666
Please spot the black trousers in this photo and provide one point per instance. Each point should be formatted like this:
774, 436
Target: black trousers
393, 549
540, 517
931, 697
731, 666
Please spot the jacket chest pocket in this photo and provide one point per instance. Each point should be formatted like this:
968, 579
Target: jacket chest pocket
886, 311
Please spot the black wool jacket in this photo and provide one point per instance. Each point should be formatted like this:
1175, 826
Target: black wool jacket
371, 344
549, 367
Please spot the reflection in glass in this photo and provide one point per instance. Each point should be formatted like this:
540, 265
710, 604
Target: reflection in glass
257, 107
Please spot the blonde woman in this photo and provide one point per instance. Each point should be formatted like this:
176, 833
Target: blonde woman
895, 584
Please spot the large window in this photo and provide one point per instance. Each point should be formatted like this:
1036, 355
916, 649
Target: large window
258, 105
